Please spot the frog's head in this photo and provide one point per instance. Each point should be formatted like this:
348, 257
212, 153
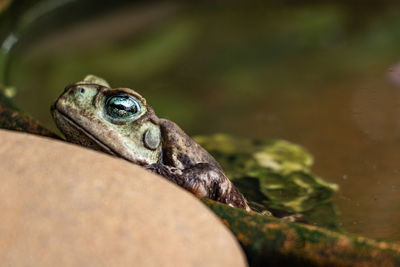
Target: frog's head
116, 121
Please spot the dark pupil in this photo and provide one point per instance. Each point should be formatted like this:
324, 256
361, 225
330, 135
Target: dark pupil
121, 106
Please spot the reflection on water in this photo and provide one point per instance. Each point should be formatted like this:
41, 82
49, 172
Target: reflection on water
317, 75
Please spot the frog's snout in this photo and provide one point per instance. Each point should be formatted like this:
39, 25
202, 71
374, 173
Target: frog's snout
53, 106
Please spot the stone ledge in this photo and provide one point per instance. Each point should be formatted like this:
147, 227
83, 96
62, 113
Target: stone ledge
64, 205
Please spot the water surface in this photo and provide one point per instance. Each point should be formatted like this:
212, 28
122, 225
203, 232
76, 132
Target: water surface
323, 76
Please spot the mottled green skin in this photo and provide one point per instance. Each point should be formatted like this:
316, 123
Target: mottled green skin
268, 241
275, 175
80, 116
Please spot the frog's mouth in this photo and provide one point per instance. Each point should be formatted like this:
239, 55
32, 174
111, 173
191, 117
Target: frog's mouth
76, 134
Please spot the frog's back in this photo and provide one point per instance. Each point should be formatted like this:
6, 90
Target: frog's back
181, 151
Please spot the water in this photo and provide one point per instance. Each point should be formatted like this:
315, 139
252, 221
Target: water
323, 76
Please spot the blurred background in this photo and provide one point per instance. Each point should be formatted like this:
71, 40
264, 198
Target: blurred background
323, 74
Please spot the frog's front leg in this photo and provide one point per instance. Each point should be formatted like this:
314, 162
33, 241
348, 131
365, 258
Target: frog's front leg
205, 181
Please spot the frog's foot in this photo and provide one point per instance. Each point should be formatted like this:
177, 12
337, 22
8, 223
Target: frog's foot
205, 181
155, 168
171, 173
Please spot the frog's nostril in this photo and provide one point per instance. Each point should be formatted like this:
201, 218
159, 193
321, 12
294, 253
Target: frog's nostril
82, 90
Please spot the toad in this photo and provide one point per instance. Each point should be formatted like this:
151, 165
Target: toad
120, 122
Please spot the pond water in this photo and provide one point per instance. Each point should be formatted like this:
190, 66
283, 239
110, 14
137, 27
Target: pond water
323, 76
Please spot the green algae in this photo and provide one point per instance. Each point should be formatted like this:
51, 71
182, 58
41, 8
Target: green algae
268, 241
275, 175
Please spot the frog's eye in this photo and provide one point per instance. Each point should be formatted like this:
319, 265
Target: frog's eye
122, 107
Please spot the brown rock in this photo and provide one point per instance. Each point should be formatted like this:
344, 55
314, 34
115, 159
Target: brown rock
63, 205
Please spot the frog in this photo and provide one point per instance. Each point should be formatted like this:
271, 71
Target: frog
118, 121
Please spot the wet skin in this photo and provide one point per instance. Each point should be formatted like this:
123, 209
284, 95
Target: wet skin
120, 122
